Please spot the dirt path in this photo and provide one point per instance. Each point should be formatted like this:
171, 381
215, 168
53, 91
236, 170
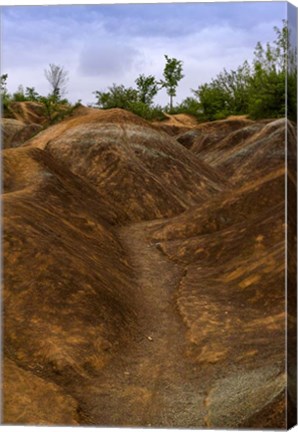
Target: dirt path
154, 384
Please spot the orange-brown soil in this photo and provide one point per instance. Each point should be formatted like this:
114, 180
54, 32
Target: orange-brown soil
144, 273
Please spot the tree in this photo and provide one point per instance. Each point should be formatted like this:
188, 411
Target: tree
147, 88
3, 83
268, 81
58, 79
55, 110
226, 94
190, 105
117, 96
213, 101
172, 75
31, 94
257, 90
128, 98
282, 45
5, 97
19, 95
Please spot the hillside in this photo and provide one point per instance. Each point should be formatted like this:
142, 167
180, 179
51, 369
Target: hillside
144, 272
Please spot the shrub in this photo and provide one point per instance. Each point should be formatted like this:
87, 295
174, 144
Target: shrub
143, 110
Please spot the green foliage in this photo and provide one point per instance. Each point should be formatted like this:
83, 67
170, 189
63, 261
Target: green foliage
172, 75
267, 84
117, 96
213, 101
226, 94
3, 84
129, 98
147, 88
147, 112
31, 94
55, 110
267, 94
190, 105
50, 106
257, 90
5, 97
19, 95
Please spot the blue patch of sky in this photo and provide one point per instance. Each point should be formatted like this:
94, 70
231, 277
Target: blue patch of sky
92, 40
154, 19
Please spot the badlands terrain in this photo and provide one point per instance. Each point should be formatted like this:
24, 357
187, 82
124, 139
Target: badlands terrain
144, 271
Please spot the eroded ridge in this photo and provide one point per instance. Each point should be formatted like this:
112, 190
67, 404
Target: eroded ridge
144, 272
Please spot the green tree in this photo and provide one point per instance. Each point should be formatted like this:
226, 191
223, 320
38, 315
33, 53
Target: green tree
19, 95
268, 81
257, 90
190, 105
213, 101
3, 83
31, 94
5, 97
172, 75
50, 106
117, 96
282, 46
226, 94
147, 88
128, 98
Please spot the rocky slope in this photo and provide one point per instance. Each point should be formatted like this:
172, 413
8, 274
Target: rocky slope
16, 132
148, 174
144, 274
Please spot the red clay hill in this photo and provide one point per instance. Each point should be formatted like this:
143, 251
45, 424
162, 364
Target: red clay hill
144, 272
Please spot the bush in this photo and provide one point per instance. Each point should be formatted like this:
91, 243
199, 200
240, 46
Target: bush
145, 111
31, 94
117, 96
257, 90
128, 98
267, 95
189, 106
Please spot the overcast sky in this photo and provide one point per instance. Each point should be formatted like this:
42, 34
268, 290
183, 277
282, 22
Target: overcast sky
104, 44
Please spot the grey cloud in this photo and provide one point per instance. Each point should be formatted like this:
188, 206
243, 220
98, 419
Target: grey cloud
99, 50
107, 59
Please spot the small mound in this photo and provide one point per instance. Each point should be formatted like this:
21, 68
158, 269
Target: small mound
250, 147
205, 135
181, 120
28, 112
80, 110
232, 207
87, 116
16, 132
176, 124
260, 153
146, 172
